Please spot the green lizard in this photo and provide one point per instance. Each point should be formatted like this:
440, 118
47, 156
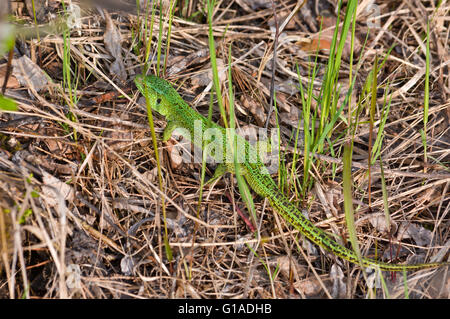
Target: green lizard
164, 99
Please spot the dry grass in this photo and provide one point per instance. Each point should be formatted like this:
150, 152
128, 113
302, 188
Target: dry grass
81, 173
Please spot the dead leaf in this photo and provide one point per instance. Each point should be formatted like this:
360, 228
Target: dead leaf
13, 83
419, 234
373, 279
54, 191
254, 108
291, 118
339, 288
181, 63
322, 44
53, 145
439, 285
288, 265
323, 40
28, 73
309, 287
151, 175
127, 264
329, 198
378, 221
206, 77
113, 41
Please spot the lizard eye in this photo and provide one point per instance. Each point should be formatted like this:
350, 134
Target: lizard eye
158, 101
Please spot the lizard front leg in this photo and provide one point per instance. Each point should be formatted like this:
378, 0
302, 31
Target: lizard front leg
170, 127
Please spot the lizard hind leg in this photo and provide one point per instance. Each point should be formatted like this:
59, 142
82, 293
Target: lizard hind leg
221, 170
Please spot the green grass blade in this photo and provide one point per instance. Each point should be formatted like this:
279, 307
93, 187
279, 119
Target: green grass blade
213, 58
242, 185
169, 31
160, 35
372, 109
150, 37
387, 215
204, 157
376, 150
405, 284
158, 164
348, 200
426, 101
7, 104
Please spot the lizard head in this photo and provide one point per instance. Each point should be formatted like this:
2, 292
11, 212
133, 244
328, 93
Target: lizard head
157, 91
